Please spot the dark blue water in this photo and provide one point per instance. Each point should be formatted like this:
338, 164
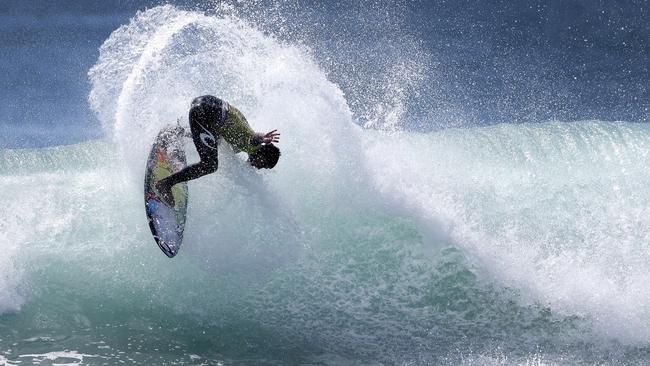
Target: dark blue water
538, 60
477, 62
47, 49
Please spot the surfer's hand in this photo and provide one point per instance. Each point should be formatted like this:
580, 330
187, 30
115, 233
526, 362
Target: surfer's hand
273, 136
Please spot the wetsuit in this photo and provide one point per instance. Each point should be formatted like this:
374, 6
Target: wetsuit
211, 118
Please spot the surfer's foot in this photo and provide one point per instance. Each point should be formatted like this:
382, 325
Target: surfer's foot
165, 192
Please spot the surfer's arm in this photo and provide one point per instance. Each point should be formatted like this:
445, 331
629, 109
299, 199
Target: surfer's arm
251, 141
260, 138
238, 133
256, 139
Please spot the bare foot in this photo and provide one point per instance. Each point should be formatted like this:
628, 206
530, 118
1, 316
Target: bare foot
165, 193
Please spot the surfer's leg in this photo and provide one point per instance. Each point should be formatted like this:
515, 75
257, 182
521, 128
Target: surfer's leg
190, 172
201, 119
209, 164
164, 186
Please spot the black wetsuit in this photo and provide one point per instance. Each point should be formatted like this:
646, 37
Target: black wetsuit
207, 114
210, 119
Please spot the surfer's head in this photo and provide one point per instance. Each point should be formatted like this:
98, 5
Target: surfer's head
266, 157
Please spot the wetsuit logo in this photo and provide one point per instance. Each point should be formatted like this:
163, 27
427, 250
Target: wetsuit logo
207, 138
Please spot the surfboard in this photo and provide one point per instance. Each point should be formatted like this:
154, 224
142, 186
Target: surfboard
167, 223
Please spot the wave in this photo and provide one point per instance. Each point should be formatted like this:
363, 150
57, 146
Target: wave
556, 210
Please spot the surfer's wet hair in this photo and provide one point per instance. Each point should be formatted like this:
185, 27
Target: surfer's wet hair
266, 157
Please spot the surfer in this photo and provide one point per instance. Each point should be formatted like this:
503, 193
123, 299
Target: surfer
211, 118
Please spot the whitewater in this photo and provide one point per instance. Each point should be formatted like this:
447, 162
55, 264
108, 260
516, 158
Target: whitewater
508, 244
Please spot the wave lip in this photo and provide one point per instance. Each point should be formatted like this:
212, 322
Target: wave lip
556, 210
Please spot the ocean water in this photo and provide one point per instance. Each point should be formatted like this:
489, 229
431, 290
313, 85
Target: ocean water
377, 240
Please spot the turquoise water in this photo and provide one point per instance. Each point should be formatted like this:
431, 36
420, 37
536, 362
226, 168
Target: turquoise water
503, 245
337, 283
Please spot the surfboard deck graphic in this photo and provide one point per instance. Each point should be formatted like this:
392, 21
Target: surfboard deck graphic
167, 223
